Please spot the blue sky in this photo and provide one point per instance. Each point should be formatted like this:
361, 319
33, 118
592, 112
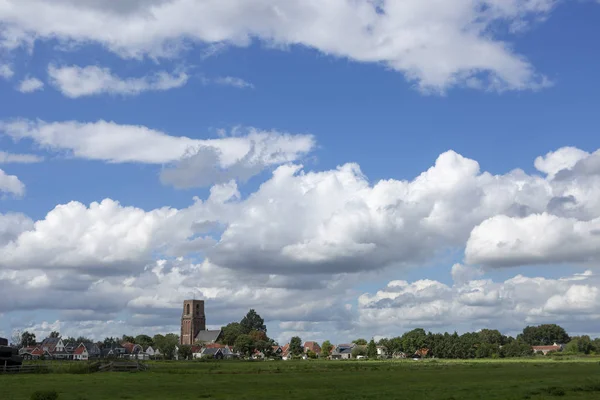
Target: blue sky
321, 100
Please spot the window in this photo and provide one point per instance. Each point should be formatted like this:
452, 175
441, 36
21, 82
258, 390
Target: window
187, 308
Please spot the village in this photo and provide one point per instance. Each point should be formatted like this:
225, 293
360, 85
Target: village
248, 340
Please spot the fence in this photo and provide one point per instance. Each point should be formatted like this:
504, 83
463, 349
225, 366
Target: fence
73, 367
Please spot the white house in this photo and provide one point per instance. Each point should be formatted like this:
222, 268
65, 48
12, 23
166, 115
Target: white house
81, 353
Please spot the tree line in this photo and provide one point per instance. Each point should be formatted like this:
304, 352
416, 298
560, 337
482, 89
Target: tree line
250, 335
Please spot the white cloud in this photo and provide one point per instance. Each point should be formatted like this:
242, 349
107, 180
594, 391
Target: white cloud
11, 184
338, 221
6, 71
297, 246
75, 81
556, 161
437, 44
30, 85
195, 162
476, 304
235, 82
12, 225
7, 158
104, 239
535, 239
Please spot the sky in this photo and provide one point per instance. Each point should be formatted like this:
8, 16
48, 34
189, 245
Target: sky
348, 168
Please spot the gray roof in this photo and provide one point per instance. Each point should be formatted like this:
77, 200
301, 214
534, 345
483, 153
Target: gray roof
50, 341
208, 336
211, 352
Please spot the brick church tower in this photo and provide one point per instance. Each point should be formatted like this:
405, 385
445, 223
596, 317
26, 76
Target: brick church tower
193, 320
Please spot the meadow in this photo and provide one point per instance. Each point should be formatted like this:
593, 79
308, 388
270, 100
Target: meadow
428, 379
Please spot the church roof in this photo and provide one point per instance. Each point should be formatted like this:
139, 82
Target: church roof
209, 336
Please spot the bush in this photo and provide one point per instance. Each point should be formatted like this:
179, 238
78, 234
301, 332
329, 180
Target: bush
45, 395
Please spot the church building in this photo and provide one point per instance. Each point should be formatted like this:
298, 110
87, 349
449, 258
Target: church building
193, 325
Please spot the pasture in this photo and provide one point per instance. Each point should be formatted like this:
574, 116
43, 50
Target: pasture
428, 379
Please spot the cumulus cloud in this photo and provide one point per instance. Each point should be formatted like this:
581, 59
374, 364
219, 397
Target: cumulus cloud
12, 225
436, 44
10, 184
153, 296
563, 158
235, 82
75, 81
304, 239
104, 238
483, 303
6, 71
30, 85
535, 239
191, 162
8, 158
338, 221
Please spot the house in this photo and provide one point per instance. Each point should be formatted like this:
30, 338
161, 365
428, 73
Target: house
114, 351
277, 351
399, 355
62, 354
285, 352
32, 353
382, 352
152, 353
213, 352
312, 346
56, 348
208, 336
70, 346
547, 349
132, 350
52, 344
342, 352
81, 353
258, 355
93, 349
228, 353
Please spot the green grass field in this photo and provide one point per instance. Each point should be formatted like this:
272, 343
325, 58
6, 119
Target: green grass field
503, 380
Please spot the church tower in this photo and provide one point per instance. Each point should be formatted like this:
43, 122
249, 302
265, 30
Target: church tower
193, 320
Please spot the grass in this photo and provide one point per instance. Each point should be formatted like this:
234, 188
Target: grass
436, 379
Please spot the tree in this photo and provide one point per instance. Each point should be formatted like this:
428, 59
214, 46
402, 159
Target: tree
27, 339
311, 354
581, 344
492, 336
326, 348
544, 335
253, 322
296, 346
258, 335
15, 338
143, 340
231, 332
372, 349
516, 348
166, 344
185, 352
414, 340
127, 339
110, 341
360, 342
359, 350
54, 334
487, 350
244, 344
83, 339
